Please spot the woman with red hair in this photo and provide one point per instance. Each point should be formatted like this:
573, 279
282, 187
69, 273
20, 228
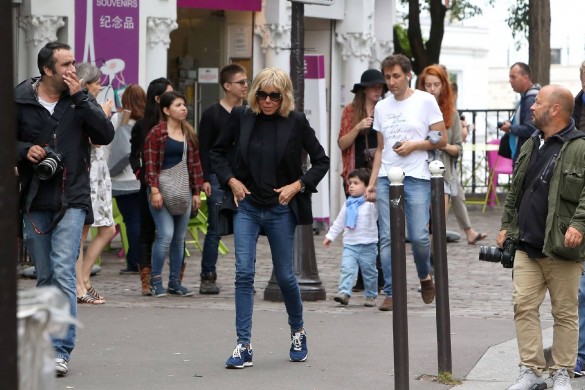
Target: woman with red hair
434, 80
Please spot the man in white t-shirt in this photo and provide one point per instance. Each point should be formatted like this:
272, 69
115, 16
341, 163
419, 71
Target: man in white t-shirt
403, 121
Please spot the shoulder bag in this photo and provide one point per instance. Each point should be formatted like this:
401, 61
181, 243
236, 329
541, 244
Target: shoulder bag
173, 184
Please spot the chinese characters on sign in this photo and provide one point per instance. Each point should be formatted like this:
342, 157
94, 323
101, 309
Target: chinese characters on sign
116, 22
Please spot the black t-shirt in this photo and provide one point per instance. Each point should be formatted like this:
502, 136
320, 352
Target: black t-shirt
262, 162
213, 120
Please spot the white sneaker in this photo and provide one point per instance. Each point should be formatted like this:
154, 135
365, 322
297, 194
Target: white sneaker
61, 368
528, 380
561, 380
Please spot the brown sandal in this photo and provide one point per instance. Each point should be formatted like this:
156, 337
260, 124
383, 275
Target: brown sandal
91, 291
89, 299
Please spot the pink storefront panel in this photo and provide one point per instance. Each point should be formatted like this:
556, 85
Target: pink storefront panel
231, 5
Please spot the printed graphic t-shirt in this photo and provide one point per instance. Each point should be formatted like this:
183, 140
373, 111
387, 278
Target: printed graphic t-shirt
406, 120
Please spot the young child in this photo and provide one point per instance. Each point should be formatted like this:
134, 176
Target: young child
358, 221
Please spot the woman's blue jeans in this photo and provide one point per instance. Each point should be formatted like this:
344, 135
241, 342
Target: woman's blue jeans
54, 255
417, 202
278, 223
170, 239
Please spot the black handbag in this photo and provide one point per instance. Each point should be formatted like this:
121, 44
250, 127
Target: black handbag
225, 215
504, 148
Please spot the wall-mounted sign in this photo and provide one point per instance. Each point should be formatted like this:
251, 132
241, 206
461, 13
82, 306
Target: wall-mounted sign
316, 2
208, 75
240, 41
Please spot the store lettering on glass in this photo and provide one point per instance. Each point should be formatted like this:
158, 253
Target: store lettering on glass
395, 128
116, 22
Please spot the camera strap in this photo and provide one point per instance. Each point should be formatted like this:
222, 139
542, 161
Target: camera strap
32, 193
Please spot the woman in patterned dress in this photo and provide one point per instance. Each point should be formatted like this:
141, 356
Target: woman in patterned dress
101, 199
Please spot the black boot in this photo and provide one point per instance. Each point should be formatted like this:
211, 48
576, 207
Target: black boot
208, 284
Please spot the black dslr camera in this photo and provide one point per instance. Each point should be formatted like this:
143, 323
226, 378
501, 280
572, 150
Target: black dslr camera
50, 165
494, 254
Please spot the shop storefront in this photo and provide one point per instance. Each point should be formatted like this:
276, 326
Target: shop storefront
210, 35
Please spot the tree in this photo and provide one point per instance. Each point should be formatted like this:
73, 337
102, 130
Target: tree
531, 20
411, 43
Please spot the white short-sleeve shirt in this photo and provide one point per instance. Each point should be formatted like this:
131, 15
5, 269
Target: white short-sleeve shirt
406, 120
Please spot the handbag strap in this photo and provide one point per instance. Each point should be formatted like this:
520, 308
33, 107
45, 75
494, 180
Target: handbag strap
184, 158
367, 146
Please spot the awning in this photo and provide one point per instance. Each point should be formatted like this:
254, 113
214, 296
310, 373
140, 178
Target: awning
239, 5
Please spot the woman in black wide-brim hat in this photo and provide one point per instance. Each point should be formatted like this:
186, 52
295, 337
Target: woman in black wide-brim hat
356, 136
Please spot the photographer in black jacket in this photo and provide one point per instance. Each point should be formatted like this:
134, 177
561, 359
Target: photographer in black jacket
56, 122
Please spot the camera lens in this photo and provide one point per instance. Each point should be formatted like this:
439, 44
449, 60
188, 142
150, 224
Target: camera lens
46, 168
493, 254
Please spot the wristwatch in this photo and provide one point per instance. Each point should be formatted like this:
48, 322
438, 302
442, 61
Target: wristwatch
302, 190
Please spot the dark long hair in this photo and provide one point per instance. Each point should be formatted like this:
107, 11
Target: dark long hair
152, 110
151, 118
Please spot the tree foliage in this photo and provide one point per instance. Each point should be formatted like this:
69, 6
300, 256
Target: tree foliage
410, 42
529, 21
518, 21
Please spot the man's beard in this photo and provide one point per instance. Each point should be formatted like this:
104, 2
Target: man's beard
542, 120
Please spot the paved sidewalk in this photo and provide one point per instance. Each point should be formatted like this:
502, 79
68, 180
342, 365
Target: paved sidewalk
136, 342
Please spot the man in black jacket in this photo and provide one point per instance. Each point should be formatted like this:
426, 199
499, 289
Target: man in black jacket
234, 82
56, 122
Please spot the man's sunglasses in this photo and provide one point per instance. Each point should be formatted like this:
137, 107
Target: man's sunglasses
274, 96
241, 82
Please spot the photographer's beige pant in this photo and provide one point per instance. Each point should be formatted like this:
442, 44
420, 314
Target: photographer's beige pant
532, 277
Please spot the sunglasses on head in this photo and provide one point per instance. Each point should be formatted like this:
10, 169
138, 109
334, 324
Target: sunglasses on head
274, 96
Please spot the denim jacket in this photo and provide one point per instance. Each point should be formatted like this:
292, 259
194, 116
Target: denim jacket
566, 196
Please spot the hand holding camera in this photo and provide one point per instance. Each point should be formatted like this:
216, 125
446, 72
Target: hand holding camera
35, 154
47, 161
494, 254
504, 126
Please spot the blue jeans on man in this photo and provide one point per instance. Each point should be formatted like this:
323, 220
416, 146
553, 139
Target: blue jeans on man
211, 244
54, 255
127, 204
278, 223
417, 200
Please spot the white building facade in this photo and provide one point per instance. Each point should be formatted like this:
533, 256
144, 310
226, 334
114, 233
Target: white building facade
188, 41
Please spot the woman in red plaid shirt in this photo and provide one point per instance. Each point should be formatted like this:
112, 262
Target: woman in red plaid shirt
163, 149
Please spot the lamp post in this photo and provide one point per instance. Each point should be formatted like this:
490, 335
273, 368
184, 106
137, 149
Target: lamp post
305, 262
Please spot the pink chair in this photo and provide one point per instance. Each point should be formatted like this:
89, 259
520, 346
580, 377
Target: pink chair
497, 165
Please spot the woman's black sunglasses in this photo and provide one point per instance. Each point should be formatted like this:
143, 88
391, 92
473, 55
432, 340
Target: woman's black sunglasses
274, 96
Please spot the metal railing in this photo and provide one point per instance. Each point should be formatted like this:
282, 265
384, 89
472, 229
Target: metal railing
482, 128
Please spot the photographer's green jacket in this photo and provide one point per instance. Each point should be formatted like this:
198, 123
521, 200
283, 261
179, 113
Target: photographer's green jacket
566, 198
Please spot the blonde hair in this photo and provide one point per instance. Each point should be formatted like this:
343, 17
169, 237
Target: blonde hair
277, 78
